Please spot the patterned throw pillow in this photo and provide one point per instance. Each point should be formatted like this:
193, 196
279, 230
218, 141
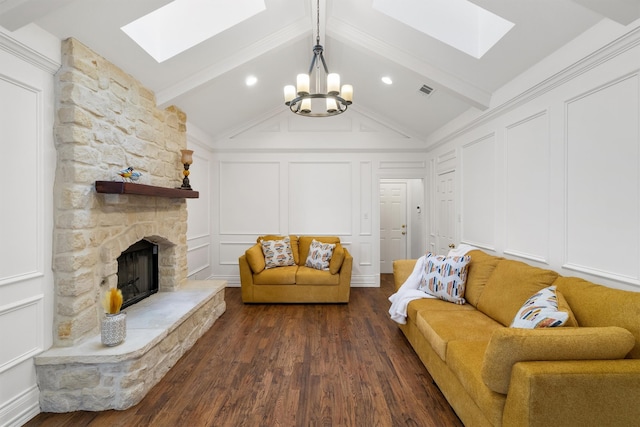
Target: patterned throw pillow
277, 253
319, 255
445, 277
540, 311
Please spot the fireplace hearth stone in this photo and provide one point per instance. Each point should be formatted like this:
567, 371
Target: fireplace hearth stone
160, 329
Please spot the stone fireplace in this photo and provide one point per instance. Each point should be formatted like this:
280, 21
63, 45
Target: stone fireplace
107, 121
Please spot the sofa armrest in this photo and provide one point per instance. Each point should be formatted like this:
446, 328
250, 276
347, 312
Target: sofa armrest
246, 278
509, 346
402, 269
581, 393
345, 269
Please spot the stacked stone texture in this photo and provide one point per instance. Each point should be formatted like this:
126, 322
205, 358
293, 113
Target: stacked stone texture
106, 121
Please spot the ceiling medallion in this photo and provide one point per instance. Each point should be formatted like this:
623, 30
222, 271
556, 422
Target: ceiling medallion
330, 103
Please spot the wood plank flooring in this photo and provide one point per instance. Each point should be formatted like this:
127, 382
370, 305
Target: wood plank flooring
290, 365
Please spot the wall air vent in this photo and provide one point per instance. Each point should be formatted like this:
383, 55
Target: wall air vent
426, 90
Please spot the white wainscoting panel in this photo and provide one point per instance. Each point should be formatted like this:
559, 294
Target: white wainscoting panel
231, 251
320, 198
527, 188
199, 209
365, 255
21, 214
603, 180
366, 205
198, 258
249, 197
478, 192
21, 325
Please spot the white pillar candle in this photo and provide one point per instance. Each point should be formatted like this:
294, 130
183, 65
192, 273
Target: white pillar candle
333, 83
303, 84
289, 93
306, 106
332, 106
347, 93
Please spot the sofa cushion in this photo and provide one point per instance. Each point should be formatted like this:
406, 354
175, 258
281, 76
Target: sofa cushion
465, 358
445, 277
304, 244
320, 255
337, 259
540, 311
255, 258
508, 346
276, 276
480, 269
433, 304
510, 285
277, 253
441, 327
312, 276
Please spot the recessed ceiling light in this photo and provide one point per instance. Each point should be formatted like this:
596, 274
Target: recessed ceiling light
251, 80
387, 80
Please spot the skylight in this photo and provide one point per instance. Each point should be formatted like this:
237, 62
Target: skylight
182, 24
458, 23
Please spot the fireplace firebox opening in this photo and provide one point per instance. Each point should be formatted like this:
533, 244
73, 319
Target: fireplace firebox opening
138, 272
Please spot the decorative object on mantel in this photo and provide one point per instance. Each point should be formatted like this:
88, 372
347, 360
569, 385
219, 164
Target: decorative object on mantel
129, 174
119, 187
187, 159
113, 330
304, 103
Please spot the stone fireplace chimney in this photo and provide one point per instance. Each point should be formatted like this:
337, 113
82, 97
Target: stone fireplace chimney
107, 121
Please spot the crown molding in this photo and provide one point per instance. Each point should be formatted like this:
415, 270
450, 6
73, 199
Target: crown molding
27, 54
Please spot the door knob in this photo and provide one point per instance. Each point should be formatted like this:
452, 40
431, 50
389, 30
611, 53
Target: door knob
452, 245
403, 226
403, 233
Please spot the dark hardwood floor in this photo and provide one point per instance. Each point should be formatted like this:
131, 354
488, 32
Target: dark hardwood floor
290, 365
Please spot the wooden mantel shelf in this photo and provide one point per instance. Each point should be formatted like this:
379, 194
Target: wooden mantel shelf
117, 187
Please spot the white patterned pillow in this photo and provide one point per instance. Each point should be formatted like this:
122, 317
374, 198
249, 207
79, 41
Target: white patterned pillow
445, 277
540, 311
277, 253
319, 255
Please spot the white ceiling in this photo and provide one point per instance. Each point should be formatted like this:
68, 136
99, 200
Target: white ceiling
361, 44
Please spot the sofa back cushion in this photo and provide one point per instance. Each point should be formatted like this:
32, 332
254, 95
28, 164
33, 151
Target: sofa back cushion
304, 243
336, 259
509, 286
255, 258
480, 268
598, 305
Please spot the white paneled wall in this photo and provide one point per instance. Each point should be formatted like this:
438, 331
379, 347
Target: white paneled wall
292, 175
551, 174
26, 216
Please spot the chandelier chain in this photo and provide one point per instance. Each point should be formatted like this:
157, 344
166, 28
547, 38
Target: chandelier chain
318, 21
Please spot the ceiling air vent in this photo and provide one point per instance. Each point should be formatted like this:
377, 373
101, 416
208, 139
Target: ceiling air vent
426, 90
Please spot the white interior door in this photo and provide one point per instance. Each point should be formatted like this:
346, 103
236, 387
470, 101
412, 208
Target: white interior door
446, 211
393, 224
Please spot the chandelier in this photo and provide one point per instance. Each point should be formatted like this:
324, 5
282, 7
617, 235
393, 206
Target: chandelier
332, 102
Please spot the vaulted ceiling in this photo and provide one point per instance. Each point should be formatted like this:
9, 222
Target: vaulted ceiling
361, 43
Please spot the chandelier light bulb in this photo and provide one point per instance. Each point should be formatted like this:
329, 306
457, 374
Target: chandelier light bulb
289, 93
303, 84
347, 93
333, 83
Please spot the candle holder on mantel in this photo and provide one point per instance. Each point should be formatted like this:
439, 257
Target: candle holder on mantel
187, 159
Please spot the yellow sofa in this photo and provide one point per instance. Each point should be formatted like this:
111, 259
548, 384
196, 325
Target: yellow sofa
494, 375
296, 283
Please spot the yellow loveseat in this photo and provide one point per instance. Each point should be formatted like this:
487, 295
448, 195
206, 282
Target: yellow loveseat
296, 283
494, 375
